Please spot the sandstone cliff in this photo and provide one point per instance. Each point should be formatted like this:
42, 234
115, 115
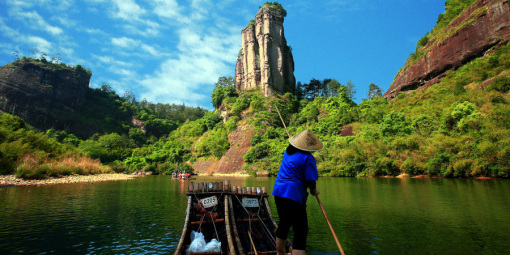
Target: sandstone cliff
471, 35
37, 93
265, 62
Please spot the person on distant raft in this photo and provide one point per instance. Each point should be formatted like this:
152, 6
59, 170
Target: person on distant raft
298, 172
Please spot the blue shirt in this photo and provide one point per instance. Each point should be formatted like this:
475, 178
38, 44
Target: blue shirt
294, 171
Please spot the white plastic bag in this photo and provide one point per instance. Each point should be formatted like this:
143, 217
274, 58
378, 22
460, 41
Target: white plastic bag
213, 246
197, 242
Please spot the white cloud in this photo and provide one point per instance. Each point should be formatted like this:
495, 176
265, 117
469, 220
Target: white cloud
132, 44
123, 72
39, 43
149, 49
125, 42
127, 9
166, 8
201, 61
112, 61
8, 31
94, 31
35, 19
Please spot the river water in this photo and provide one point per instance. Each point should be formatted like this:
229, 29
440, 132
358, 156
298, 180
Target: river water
370, 216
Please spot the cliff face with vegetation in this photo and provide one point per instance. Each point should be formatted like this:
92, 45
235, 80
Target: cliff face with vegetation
37, 92
470, 35
265, 62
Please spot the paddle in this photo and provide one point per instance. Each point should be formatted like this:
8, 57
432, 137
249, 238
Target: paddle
318, 199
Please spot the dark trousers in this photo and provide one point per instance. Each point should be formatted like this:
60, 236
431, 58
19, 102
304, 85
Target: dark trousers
292, 214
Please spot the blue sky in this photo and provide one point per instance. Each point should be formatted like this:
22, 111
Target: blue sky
173, 51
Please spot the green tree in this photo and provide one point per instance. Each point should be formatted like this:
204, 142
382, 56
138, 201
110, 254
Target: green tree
224, 87
395, 123
374, 91
332, 87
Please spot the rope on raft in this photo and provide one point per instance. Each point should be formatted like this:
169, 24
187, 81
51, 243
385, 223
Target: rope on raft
267, 232
202, 208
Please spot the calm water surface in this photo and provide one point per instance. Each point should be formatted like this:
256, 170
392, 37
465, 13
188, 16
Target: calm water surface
370, 216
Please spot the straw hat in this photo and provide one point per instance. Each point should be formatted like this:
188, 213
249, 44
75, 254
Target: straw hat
307, 141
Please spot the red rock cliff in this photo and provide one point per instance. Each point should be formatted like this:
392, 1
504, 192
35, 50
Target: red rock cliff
481, 27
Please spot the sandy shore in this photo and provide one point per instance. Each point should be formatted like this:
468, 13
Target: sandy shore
11, 180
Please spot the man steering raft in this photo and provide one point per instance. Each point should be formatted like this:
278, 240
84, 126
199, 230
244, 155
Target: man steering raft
298, 172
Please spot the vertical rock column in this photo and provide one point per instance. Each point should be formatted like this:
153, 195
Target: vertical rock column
265, 61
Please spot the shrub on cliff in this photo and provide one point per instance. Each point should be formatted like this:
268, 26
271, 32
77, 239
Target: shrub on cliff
277, 6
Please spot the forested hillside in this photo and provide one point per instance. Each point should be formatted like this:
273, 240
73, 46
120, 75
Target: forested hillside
120, 125
459, 127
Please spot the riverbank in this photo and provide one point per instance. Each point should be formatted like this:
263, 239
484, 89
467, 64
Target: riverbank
13, 181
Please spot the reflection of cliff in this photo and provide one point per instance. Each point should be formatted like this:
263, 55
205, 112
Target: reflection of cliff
471, 35
265, 62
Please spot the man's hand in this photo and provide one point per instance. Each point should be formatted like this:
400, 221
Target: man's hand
314, 192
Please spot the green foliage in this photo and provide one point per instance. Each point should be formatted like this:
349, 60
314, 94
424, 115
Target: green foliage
258, 151
374, 91
501, 84
231, 124
26, 152
394, 124
242, 103
211, 119
215, 143
108, 148
277, 6
373, 111
224, 88
423, 125
462, 116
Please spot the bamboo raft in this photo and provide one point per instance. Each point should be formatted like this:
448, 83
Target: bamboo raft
239, 217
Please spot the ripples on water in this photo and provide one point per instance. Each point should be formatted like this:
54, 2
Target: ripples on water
370, 216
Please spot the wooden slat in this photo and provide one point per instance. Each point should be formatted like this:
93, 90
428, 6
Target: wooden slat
231, 247
234, 227
252, 220
184, 228
206, 221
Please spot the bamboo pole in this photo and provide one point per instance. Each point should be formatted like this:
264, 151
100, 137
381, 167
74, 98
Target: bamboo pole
282, 120
252, 244
330, 226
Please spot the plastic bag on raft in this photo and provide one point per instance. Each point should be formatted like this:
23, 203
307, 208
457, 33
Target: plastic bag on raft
197, 242
212, 246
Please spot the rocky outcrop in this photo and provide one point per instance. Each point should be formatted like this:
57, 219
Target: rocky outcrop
265, 62
40, 94
481, 27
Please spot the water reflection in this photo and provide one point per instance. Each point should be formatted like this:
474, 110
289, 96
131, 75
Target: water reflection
370, 216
